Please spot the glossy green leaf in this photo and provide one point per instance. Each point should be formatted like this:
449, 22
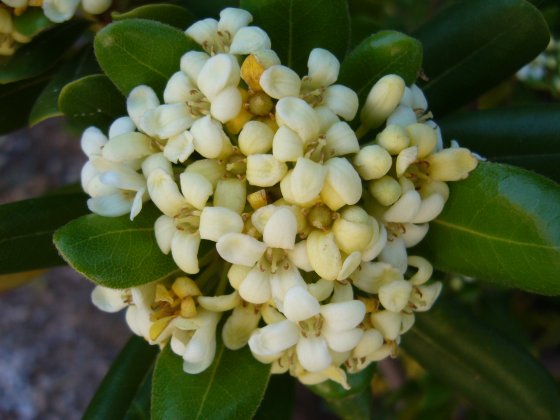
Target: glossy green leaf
278, 401
26, 229
494, 373
141, 405
379, 54
296, 27
92, 100
204, 9
31, 22
42, 53
473, 45
139, 51
119, 387
173, 15
16, 100
525, 136
114, 251
46, 105
231, 388
501, 225
357, 406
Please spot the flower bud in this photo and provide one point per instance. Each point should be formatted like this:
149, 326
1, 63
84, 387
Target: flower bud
59, 10
324, 254
227, 104
127, 147
451, 164
195, 188
287, 146
403, 116
192, 63
382, 100
265, 170
353, 230
372, 162
280, 81
424, 137
393, 139
249, 40
120, 126
231, 193
394, 296
217, 221
341, 139
219, 72
140, 100
323, 68
255, 137
209, 138
299, 116
342, 184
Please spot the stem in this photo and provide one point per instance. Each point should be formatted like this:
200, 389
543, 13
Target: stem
361, 131
223, 280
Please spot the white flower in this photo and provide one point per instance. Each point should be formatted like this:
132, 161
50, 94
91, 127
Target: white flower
313, 329
229, 34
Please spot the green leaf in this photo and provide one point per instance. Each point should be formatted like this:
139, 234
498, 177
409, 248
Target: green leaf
296, 27
204, 9
473, 45
140, 52
141, 405
379, 54
26, 229
42, 53
114, 251
353, 403
92, 100
46, 105
170, 14
119, 387
501, 225
231, 388
494, 373
16, 100
31, 22
525, 136
278, 401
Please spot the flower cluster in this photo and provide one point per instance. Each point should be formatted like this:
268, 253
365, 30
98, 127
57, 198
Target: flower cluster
55, 10
309, 226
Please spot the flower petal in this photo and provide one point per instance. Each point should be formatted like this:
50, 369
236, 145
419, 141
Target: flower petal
238, 248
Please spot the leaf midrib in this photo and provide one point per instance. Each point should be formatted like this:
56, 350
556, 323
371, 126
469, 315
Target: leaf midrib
217, 361
493, 237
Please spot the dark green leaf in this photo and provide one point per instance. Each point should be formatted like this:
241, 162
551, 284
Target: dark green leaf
362, 27
296, 27
92, 100
119, 387
525, 136
170, 14
31, 22
354, 403
379, 54
138, 51
473, 45
46, 105
42, 53
26, 229
141, 405
278, 401
501, 224
16, 100
231, 388
114, 251
204, 9
494, 373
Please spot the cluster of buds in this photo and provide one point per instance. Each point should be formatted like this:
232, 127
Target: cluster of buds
308, 228
55, 10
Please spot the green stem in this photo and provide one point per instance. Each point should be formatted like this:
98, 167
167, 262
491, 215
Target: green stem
223, 280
